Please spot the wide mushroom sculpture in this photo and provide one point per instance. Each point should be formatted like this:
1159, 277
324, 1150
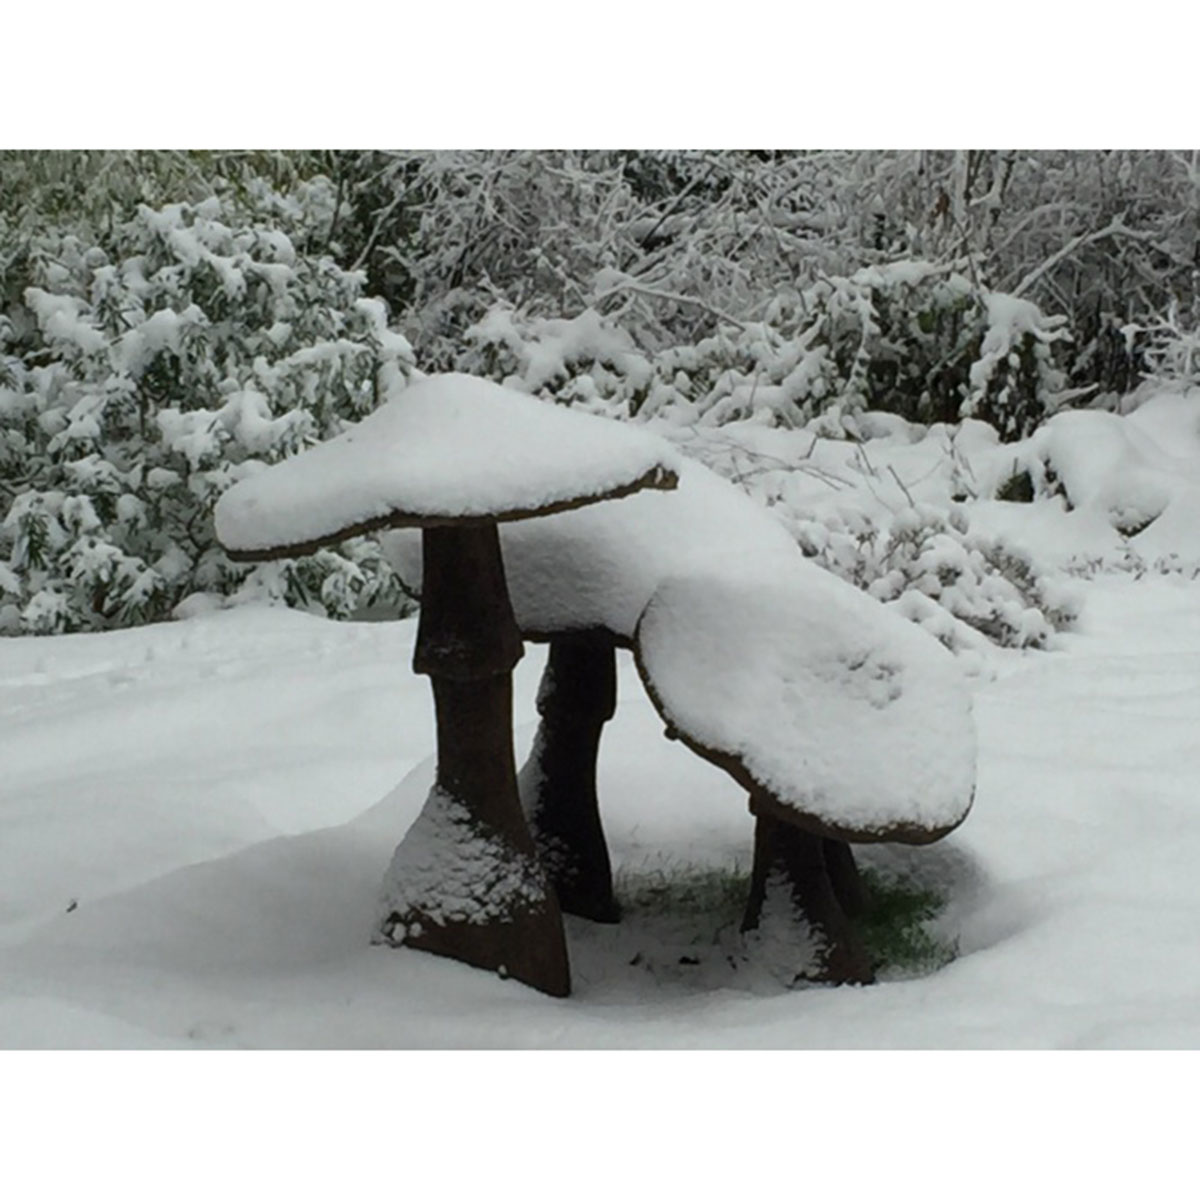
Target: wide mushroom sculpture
456, 456
843, 721
580, 581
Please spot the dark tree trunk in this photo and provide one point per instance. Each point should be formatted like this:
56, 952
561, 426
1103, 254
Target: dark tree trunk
468, 643
848, 884
578, 694
791, 865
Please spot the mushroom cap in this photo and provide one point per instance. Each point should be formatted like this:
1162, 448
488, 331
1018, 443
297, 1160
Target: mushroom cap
448, 449
842, 716
597, 567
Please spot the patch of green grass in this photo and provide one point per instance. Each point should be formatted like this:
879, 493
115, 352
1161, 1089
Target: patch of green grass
682, 889
895, 926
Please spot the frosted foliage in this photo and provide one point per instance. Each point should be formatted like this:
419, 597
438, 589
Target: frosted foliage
144, 370
1009, 320
597, 567
902, 515
447, 446
912, 337
451, 870
943, 577
548, 353
839, 708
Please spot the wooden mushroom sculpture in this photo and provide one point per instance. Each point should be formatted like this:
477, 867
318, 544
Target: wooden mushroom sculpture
844, 722
455, 456
580, 580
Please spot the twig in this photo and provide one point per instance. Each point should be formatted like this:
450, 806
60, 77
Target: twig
675, 297
1115, 227
337, 205
383, 216
675, 204
861, 453
900, 484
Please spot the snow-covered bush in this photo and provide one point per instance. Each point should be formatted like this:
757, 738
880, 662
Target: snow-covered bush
1172, 348
144, 372
1014, 383
662, 241
938, 574
147, 354
585, 361
907, 338
671, 244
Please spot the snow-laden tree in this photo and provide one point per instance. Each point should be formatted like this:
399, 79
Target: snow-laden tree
669, 243
908, 338
144, 371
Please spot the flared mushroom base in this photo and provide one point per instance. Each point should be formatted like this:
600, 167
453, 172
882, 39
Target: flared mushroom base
466, 881
790, 866
558, 781
510, 924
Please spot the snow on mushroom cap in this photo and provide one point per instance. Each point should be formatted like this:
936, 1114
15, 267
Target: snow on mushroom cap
447, 448
838, 708
597, 567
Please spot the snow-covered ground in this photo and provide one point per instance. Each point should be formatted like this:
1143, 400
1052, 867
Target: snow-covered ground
197, 816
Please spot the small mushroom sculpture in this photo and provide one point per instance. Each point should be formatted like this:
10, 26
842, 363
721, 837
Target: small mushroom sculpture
844, 722
455, 456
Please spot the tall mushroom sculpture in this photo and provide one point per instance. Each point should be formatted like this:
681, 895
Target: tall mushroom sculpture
456, 456
580, 580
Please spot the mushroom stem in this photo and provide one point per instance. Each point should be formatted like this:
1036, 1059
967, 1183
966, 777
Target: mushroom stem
790, 859
468, 642
467, 629
578, 694
848, 885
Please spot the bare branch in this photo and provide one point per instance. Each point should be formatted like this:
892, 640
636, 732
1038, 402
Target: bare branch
1115, 228
631, 285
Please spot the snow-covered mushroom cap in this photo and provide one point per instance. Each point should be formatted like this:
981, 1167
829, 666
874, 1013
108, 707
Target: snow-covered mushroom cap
850, 719
448, 449
597, 567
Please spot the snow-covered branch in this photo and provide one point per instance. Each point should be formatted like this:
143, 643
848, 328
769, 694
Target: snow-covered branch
656, 293
1115, 228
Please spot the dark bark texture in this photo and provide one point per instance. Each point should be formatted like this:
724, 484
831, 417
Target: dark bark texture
467, 629
847, 883
578, 694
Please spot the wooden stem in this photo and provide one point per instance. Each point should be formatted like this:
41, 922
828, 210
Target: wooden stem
791, 861
468, 643
578, 694
848, 884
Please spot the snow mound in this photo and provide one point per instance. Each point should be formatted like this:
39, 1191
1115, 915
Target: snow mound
1108, 491
1104, 464
196, 926
446, 447
815, 693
